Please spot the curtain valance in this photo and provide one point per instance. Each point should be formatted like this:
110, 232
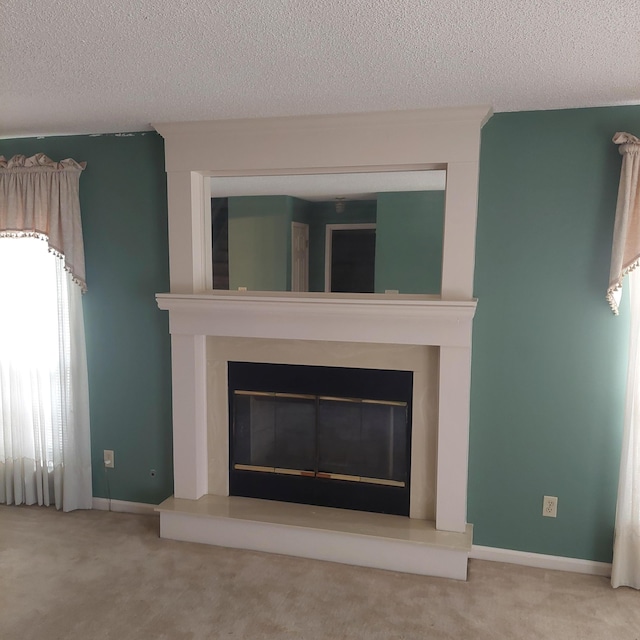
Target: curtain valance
40, 198
625, 254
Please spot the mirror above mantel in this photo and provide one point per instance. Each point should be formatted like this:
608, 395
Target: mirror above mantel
402, 141
371, 232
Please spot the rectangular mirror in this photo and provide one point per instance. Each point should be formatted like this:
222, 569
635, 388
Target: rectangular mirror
350, 232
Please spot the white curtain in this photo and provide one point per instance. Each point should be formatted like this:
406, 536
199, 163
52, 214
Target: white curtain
625, 260
44, 411
626, 548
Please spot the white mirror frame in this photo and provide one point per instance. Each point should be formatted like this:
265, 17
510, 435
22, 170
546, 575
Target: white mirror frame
386, 141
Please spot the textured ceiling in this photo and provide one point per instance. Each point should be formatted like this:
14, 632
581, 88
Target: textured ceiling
89, 66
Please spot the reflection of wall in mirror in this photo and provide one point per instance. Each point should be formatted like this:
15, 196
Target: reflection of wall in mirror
410, 227
408, 240
259, 229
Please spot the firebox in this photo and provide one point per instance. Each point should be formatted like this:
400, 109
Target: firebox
328, 436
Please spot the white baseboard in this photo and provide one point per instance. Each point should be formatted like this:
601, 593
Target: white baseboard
123, 506
541, 561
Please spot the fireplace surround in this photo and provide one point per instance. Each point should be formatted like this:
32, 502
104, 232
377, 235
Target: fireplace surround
209, 328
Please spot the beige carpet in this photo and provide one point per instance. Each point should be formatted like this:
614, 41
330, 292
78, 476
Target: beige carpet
90, 575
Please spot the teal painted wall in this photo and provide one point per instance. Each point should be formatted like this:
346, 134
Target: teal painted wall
124, 215
260, 242
409, 241
549, 358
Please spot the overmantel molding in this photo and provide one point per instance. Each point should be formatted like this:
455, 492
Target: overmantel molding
418, 320
415, 138
357, 142
412, 117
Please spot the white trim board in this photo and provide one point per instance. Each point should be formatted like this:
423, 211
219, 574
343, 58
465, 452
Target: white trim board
123, 506
541, 561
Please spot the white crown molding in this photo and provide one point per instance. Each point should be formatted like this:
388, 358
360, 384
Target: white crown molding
391, 140
478, 114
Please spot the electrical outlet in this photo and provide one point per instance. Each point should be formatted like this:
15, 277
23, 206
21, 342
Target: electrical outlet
550, 506
109, 460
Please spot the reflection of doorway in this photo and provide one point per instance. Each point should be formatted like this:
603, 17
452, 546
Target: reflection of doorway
299, 256
350, 254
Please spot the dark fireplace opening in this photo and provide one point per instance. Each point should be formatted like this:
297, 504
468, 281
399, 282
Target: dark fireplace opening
329, 436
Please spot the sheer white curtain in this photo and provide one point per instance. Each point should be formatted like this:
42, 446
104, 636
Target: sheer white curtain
44, 412
624, 261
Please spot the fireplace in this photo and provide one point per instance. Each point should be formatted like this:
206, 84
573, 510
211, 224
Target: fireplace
435, 539
327, 436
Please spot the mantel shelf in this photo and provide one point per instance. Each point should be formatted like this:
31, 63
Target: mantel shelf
384, 319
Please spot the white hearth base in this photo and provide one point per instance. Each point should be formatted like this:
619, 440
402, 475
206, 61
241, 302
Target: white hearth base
363, 539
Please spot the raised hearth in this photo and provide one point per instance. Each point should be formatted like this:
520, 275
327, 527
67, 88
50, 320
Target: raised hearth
337, 535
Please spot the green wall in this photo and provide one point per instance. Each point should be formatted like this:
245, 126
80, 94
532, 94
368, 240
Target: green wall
260, 242
549, 358
409, 232
124, 216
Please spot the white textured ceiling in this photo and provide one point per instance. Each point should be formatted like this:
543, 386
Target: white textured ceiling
88, 66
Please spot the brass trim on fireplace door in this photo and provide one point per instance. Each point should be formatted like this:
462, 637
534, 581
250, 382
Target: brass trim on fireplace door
303, 396
293, 472
332, 399
388, 483
300, 396
274, 394
391, 403
337, 476
320, 474
269, 394
253, 467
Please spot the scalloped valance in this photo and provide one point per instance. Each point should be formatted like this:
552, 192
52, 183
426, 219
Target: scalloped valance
625, 253
40, 198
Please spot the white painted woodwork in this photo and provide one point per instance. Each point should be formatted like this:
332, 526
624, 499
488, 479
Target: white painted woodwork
387, 141
388, 319
190, 264
415, 139
337, 535
381, 319
541, 561
189, 391
459, 238
453, 438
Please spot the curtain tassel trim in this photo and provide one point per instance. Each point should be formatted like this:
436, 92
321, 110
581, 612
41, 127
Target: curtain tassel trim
58, 254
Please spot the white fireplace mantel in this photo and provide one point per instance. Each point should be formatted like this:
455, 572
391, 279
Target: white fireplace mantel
408, 320
393, 141
389, 319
